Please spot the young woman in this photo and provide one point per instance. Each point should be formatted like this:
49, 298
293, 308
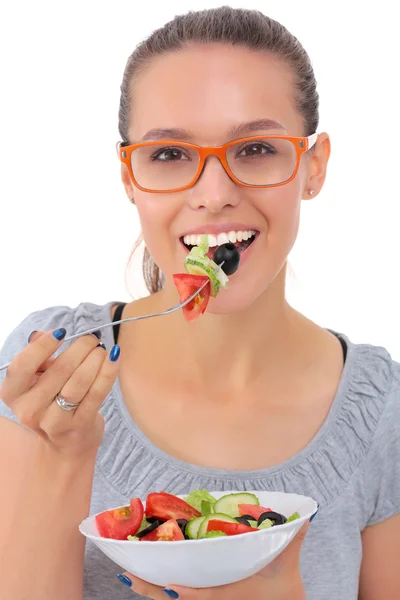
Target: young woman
251, 395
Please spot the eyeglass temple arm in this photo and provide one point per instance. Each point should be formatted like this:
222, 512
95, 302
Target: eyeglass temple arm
311, 140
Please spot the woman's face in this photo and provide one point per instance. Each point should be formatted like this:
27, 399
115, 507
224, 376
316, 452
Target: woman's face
207, 91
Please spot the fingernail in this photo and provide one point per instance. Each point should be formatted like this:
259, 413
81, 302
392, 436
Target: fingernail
59, 334
114, 354
31, 334
97, 334
125, 580
171, 593
315, 514
101, 345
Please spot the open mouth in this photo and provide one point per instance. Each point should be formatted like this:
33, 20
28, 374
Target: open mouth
241, 239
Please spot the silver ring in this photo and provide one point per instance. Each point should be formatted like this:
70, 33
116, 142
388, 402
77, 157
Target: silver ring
62, 403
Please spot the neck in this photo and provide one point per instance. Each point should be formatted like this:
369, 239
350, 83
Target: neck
216, 349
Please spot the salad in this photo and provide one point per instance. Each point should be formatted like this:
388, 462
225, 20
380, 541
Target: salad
201, 269
166, 517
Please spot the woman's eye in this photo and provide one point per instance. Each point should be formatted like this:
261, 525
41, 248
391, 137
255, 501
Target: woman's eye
256, 149
169, 154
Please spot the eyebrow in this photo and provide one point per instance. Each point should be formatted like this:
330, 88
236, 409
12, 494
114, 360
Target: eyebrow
174, 133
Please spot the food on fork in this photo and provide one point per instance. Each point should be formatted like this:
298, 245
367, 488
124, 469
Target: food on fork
200, 269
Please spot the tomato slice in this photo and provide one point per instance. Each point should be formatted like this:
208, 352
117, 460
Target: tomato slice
167, 532
229, 528
165, 506
253, 510
121, 522
187, 285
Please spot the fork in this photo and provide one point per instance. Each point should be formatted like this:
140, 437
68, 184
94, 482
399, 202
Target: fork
138, 318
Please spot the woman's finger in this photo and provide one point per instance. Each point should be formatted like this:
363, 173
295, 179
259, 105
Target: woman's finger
101, 386
26, 363
47, 363
54, 379
143, 588
83, 377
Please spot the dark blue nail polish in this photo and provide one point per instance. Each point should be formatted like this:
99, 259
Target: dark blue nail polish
31, 334
97, 334
59, 334
171, 593
315, 514
125, 580
101, 345
114, 354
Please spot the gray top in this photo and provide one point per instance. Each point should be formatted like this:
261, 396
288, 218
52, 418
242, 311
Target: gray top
351, 467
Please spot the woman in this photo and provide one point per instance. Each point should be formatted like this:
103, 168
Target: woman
254, 395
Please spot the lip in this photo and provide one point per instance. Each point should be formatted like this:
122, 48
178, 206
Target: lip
243, 254
222, 228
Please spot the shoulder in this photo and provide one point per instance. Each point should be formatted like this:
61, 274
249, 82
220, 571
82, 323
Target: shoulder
374, 402
374, 382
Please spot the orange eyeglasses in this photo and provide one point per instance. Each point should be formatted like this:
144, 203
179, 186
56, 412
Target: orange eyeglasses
166, 166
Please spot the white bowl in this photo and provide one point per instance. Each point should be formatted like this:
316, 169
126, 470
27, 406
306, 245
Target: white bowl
207, 562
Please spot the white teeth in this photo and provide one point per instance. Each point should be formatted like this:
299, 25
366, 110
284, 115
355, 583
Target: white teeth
212, 240
221, 238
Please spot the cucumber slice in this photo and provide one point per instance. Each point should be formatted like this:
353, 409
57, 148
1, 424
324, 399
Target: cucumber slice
266, 524
229, 504
195, 267
214, 516
192, 528
293, 517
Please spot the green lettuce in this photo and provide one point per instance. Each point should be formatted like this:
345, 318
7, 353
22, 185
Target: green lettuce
197, 497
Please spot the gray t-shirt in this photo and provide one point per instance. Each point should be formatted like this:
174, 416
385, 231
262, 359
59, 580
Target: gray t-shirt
351, 467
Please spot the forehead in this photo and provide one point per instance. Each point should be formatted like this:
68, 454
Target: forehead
210, 89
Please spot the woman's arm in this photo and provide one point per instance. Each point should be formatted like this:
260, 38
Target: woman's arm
380, 569
43, 499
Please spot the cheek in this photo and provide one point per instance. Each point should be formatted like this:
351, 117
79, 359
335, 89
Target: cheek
156, 215
282, 213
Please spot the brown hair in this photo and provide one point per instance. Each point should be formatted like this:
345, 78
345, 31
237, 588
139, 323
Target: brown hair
248, 28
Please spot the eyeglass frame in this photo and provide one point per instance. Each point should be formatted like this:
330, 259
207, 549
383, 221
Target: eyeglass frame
301, 145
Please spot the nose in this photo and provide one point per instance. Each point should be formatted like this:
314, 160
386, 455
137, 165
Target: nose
214, 190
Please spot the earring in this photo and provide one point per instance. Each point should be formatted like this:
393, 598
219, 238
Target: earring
310, 192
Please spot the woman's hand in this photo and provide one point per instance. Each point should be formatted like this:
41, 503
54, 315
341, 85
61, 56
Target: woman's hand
280, 580
83, 374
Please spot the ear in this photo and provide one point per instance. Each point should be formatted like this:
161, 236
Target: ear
319, 157
126, 180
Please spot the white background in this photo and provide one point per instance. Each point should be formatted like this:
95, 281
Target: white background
66, 225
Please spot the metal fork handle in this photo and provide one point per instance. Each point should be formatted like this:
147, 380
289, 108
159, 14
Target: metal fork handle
138, 318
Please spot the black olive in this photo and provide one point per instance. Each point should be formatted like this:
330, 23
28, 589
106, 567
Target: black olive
277, 518
229, 255
182, 524
149, 529
247, 517
154, 519
244, 520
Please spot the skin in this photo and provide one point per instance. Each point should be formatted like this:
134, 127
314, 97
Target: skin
284, 357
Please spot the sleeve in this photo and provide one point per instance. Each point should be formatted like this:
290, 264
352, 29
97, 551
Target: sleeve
44, 320
382, 465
